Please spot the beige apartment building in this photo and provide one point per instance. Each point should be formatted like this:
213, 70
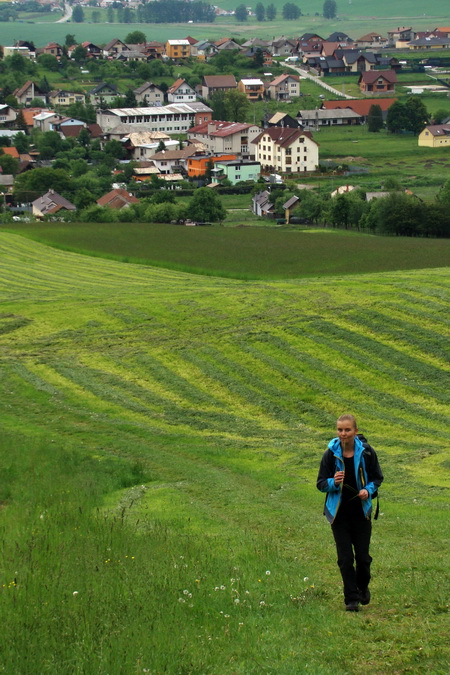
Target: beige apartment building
287, 150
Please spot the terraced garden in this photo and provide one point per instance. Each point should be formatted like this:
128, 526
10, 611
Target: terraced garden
161, 438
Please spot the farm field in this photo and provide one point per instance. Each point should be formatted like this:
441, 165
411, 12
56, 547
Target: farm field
246, 253
355, 25
161, 434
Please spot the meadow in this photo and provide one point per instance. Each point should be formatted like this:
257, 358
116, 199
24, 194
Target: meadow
161, 434
243, 252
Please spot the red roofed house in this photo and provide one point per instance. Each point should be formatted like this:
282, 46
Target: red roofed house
361, 106
11, 151
226, 137
52, 48
287, 150
117, 199
181, 92
377, 81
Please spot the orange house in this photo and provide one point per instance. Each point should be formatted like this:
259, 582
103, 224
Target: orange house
197, 165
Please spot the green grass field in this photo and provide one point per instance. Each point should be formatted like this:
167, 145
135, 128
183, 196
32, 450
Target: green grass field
246, 253
161, 434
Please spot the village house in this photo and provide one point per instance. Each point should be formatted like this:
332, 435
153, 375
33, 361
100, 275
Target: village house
118, 198
435, 136
61, 97
430, 43
213, 83
284, 87
205, 50
141, 145
103, 93
370, 41
114, 47
399, 37
52, 48
175, 118
313, 119
174, 161
149, 94
27, 92
361, 106
283, 47
281, 119
287, 150
50, 204
236, 171
261, 204
181, 92
227, 137
7, 115
178, 50
378, 81
252, 88
198, 164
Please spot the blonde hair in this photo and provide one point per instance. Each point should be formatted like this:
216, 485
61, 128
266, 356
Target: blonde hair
350, 418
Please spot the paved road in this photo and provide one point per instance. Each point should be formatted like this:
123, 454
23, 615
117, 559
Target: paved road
67, 14
304, 73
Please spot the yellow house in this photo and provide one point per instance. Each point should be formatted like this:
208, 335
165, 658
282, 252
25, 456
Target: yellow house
178, 49
435, 136
60, 97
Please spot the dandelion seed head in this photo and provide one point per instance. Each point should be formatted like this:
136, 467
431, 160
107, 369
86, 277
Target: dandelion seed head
268, 573
75, 593
305, 578
236, 601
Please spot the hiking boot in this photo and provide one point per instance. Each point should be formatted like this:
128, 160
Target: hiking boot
352, 606
364, 597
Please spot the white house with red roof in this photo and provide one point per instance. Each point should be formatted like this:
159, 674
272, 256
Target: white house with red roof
284, 87
181, 92
227, 137
286, 150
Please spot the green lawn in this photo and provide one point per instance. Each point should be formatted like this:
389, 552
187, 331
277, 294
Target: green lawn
161, 434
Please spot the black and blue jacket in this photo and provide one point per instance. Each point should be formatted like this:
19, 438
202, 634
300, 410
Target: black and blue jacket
367, 471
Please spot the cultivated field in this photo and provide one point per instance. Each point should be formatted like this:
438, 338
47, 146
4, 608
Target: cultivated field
161, 434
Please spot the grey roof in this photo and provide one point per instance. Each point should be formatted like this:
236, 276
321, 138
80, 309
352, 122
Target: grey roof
291, 202
320, 114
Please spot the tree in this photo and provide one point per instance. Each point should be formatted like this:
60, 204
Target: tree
329, 9
416, 114
22, 143
291, 12
96, 17
70, 40
440, 115
258, 58
396, 119
218, 105
21, 123
236, 106
241, 13
271, 12
78, 14
206, 206
260, 12
375, 118
79, 54
110, 15
136, 37
49, 62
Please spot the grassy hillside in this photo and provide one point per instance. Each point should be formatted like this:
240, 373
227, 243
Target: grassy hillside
161, 434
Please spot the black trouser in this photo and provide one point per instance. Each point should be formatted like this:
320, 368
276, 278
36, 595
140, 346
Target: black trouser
352, 537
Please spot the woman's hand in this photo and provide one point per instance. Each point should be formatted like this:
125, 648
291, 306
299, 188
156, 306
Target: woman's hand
338, 477
363, 494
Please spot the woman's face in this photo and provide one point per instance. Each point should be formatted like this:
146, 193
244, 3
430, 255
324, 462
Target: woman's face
346, 431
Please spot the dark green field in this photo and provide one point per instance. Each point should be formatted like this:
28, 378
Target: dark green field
248, 253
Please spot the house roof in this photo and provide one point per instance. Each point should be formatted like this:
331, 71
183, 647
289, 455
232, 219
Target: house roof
323, 114
11, 151
24, 88
283, 136
52, 202
361, 106
176, 85
145, 86
439, 129
102, 86
252, 82
370, 37
281, 78
178, 43
371, 76
291, 202
222, 129
71, 130
184, 153
112, 43
213, 81
117, 198
138, 138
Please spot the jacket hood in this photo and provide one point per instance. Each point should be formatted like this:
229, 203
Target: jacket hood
335, 446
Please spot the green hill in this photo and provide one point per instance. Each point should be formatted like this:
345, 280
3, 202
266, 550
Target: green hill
161, 438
